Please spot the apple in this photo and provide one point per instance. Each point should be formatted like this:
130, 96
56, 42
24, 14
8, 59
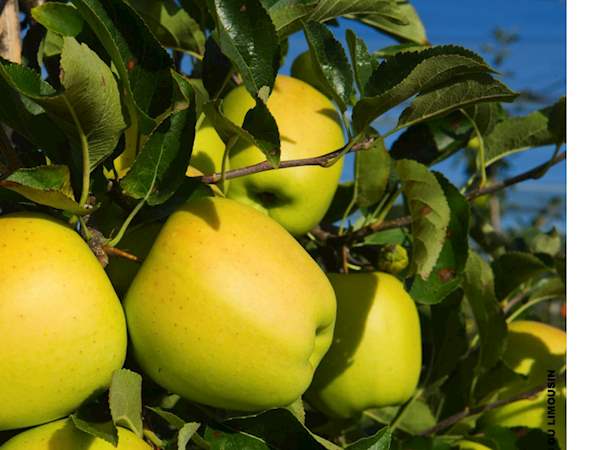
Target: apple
375, 358
136, 241
62, 435
303, 68
62, 328
532, 349
228, 309
308, 122
471, 445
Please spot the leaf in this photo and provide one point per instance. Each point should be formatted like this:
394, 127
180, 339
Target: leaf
178, 423
515, 268
60, 18
417, 418
363, 63
386, 237
371, 174
215, 68
160, 167
331, 62
478, 286
287, 14
106, 430
125, 400
186, 432
406, 74
172, 25
427, 443
46, 185
429, 211
227, 439
485, 116
248, 38
297, 409
451, 262
342, 200
516, 134
143, 66
464, 92
260, 123
494, 380
382, 440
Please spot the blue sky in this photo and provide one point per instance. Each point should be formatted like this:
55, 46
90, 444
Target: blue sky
537, 60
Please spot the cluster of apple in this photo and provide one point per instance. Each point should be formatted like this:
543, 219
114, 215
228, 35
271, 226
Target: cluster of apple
227, 310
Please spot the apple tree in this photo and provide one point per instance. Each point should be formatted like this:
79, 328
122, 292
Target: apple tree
117, 117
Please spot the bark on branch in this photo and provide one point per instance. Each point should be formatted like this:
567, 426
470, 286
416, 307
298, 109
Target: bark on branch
10, 31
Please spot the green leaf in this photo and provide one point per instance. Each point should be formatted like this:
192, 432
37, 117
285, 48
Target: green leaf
515, 268
331, 62
494, 380
363, 63
516, 134
185, 429
172, 25
485, 116
382, 440
406, 74
427, 443
105, 430
160, 167
465, 92
371, 174
143, 65
227, 439
417, 418
478, 286
125, 400
45, 185
451, 262
429, 210
287, 14
186, 432
386, 237
342, 200
215, 68
260, 123
248, 38
60, 18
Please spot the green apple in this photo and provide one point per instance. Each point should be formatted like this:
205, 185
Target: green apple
297, 197
62, 435
62, 328
471, 445
375, 358
228, 309
532, 350
138, 242
303, 68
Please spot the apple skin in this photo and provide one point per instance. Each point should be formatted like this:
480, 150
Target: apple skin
228, 309
62, 435
532, 349
308, 122
375, 358
137, 241
471, 445
303, 69
62, 328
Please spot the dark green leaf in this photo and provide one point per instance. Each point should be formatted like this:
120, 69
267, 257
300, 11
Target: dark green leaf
106, 430
160, 167
144, 67
247, 36
260, 123
342, 200
494, 380
371, 174
429, 211
331, 62
46, 185
451, 262
172, 25
287, 14
558, 120
125, 400
463, 92
215, 68
514, 268
59, 17
426, 443
479, 291
228, 439
406, 74
485, 116
363, 63
379, 441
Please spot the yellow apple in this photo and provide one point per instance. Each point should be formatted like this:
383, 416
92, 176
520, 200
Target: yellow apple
62, 328
533, 349
471, 445
228, 309
62, 435
375, 358
308, 122
303, 69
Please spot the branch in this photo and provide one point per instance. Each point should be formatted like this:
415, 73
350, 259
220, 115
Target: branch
467, 412
535, 173
323, 161
114, 251
10, 31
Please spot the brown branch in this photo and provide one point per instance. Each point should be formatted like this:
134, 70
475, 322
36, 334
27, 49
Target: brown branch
10, 31
534, 173
114, 251
467, 412
323, 161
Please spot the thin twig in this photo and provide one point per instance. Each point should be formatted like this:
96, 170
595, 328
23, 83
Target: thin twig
113, 251
467, 412
324, 161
